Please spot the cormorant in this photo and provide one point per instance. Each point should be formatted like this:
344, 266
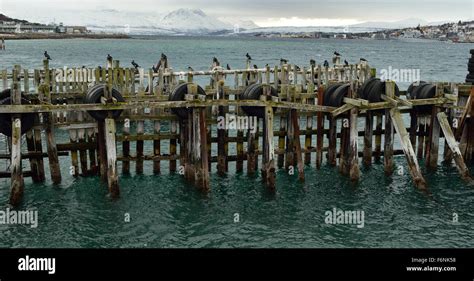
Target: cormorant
135, 64
190, 68
312, 62
346, 63
46, 55
326, 63
109, 57
362, 59
336, 53
228, 67
248, 56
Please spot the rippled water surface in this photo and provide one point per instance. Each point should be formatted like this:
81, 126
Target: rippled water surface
167, 212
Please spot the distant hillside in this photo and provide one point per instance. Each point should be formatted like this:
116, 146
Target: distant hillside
5, 18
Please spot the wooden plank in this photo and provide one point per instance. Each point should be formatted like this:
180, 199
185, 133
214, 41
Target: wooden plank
17, 182
407, 147
268, 168
453, 146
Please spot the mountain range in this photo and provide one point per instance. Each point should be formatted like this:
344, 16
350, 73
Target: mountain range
193, 22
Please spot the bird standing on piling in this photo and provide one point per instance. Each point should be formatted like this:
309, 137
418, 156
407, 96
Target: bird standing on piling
346, 63
362, 59
326, 63
312, 62
135, 64
190, 68
283, 61
46, 55
228, 67
248, 56
215, 61
154, 68
109, 57
336, 53
255, 66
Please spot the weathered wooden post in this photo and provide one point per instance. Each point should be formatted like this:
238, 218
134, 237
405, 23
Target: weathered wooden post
320, 122
354, 172
433, 148
112, 177
49, 129
268, 167
388, 145
453, 145
17, 183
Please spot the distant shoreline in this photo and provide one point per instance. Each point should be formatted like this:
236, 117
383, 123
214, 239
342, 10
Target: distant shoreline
27, 36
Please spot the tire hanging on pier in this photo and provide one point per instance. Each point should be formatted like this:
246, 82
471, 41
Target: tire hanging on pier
27, 119
373, 89
179, 94
95, 94
422, 90
253, 92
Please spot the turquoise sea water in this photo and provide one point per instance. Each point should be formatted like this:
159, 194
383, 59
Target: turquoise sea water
167, 212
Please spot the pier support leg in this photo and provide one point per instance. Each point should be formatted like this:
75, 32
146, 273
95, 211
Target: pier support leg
453, 146
407, 147
332, 141
101, 150
378, 137
433, 148
252, 141
281, 143
200, 158
388, 145
290, 137
268, 169
320, 130
34, 165
52, 150
354, 172
296, 144
368, 137
17, 183
112, 177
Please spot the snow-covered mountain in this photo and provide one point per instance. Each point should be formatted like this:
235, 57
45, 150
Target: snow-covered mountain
192, 21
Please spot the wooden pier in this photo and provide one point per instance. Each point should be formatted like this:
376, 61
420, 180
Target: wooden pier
305, 116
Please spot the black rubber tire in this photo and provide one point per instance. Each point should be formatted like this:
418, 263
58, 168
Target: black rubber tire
329, 92
470, 68
425, 91
471, 51
471, 60
469, 80
178, 94
377, 89
412, 88
27, 119
336, 99
253, 92
93, 96
5, 94
363, 90
470, 76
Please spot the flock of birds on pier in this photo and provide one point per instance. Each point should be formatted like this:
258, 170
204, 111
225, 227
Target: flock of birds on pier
216, 62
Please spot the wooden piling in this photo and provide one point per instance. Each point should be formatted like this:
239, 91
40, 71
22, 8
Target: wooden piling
17, 182
49, 130
112, 177
368, 137
268, 168
388, 138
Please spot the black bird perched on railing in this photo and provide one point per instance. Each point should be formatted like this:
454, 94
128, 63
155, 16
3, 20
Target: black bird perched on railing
346, 63
109, 57
326, 63
362, 59
312, 62
154, 68
163, 56
248, 56
297, 68
336, 53
283, 61
46, 55
255, 66
228, 67
190, 68
135, 64
215, 61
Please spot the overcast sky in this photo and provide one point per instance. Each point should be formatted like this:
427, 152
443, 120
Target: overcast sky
263, 12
